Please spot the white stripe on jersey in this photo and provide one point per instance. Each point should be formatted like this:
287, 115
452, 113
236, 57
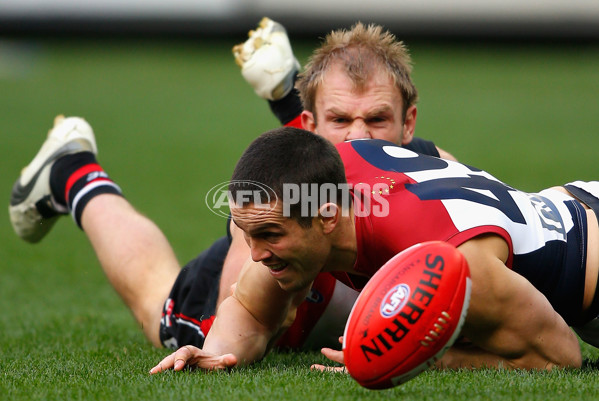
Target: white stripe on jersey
545, 213
331, 324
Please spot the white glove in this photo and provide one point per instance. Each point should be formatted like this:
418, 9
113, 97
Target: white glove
267, 61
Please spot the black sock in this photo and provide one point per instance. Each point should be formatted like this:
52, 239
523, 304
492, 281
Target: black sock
75, 179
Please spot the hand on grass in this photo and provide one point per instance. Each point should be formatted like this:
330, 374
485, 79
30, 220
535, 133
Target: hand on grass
333, 355
194, 358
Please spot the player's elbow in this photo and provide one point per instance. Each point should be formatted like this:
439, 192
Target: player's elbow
564, 346
572, 360
563, 354
569, 355
576, 361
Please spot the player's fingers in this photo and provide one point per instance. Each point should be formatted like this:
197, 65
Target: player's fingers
208, 361
195, 357
226, 361
333, 355
176, 361
334, 369
182, 357
166, 363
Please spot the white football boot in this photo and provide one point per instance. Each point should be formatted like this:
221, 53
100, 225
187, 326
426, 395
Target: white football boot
267, 61
33, 210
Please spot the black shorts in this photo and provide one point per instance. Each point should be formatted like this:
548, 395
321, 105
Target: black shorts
189, 310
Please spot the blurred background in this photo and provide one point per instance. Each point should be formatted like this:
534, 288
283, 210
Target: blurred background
510, 86
438, 18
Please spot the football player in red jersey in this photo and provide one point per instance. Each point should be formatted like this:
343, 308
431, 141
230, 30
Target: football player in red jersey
379, 102
524, 250
175, 306
374, 102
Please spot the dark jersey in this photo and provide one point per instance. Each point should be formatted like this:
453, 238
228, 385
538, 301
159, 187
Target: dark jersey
423, 146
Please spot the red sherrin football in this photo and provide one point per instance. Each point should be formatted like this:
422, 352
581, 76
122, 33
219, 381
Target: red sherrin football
408, 314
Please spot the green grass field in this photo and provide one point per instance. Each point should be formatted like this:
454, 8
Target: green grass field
171, 119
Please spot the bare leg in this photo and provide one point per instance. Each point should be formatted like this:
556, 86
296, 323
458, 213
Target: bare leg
135, 256
133, 252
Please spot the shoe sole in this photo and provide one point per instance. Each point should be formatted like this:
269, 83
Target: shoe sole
20, 192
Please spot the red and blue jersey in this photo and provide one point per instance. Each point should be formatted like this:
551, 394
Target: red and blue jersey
427, 198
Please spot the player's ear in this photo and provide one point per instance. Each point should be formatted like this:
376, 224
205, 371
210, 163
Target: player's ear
308, 121
409, 125
328, 216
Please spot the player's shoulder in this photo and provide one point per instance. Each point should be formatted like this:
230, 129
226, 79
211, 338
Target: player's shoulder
423, 146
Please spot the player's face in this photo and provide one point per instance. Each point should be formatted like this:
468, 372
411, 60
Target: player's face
293, 254
343, 113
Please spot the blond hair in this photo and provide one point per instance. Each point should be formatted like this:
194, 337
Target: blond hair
360, 52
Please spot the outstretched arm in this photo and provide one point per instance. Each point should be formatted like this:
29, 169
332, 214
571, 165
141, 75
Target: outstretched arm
246, 325
236, 258
250, 320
